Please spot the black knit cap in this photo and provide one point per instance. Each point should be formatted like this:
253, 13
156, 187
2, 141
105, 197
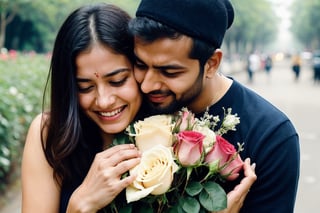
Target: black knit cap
206, 20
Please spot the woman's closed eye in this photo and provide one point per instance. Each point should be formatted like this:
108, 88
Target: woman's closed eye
118, 83
85, 89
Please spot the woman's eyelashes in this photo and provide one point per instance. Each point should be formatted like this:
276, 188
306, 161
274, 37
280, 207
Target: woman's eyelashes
118, 83
86, 87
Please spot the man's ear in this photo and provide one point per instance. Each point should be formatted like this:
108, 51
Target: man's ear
213, 63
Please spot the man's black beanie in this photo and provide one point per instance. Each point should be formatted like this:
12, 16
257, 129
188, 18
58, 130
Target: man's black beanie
206, 20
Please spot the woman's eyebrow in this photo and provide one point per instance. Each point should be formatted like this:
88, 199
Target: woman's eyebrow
117, 71
110, 74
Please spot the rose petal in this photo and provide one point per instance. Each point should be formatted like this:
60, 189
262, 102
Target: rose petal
154, 173
133, 194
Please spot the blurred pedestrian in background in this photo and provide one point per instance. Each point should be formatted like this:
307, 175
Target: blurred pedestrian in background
268, 64
253, 65
296, 66
316, 66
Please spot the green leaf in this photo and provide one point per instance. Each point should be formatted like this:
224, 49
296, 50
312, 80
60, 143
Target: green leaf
146, 209
126, 209
213, 197
120, 138
176, 209
194, 188
190, 205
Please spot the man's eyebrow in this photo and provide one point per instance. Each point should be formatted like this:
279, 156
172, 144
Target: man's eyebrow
138, 59
110, 74
162, 67
168, 67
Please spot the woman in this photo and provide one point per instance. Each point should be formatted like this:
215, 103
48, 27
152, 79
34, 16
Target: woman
93, 96
67, 164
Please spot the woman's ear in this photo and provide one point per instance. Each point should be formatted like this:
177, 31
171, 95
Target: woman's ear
213, 63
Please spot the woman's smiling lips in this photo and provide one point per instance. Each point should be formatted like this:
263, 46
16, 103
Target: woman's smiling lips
110, 115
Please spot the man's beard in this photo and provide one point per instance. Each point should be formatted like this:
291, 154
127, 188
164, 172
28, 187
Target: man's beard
176, 105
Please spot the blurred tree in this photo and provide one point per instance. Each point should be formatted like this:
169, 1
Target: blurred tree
254, 27
8, 10
36, 23
305, 26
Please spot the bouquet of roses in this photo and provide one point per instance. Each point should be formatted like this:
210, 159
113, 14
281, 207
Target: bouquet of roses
182, 159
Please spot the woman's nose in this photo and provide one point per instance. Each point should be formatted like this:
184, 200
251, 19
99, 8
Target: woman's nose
104, 99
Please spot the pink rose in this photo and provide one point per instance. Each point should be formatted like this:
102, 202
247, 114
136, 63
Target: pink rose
189, 147
231, 171
223, 151
186, 121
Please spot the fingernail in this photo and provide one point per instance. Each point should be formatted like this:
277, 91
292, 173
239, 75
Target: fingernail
253, 166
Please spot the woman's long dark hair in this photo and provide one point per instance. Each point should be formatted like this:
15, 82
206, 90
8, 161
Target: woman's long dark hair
69, 139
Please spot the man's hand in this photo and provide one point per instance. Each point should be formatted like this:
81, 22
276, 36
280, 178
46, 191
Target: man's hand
237, 196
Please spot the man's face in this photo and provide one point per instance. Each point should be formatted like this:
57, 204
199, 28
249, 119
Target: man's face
167, 76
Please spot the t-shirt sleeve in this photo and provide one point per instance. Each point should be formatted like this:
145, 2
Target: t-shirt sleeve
278, 165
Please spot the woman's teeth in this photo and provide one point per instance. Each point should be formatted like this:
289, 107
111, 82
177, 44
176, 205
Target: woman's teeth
110, 114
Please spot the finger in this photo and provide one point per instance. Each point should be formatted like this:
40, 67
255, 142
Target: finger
117, 155
253, 167
115, 149
250, 177
126, 165
249, 172
249, 169
121, 184
123, 155
125, 182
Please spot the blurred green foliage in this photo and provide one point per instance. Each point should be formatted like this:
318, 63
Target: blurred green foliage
305, 26
36, 23
255, 26
22, 79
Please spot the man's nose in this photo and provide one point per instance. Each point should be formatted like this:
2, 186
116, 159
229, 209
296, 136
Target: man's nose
152, 81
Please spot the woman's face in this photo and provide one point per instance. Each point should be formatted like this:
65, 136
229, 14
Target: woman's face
108, 92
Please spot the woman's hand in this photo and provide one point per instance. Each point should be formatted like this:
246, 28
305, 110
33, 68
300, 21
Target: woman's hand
237, 196
103, 181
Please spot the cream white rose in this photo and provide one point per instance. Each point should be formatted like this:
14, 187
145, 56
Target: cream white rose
153, 130
154, 173
210, 137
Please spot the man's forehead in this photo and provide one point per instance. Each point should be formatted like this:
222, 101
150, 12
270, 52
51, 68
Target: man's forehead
162, 50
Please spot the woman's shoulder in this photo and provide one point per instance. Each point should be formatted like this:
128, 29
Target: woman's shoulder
37, 125
36, 173
40, 120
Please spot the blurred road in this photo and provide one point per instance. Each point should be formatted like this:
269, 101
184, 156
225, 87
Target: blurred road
301, 102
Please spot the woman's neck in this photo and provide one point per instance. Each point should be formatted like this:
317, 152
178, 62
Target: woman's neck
107, 139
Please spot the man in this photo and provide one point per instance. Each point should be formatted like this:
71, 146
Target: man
177, 48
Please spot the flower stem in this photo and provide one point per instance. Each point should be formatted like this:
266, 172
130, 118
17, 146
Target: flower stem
189, 171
